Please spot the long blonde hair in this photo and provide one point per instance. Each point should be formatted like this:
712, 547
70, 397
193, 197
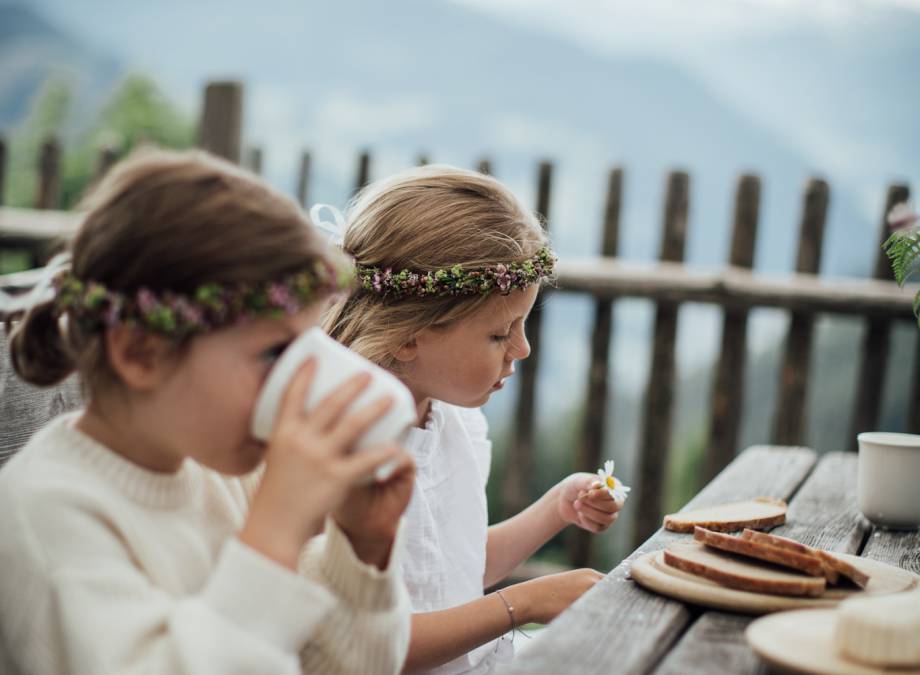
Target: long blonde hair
424, 219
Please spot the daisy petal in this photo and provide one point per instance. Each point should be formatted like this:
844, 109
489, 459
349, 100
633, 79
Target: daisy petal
608, 467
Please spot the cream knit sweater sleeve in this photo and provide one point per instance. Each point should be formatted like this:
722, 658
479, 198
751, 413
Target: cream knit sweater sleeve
89, 579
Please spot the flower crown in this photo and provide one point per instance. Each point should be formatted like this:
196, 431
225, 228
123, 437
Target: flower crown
210, 306
456, 280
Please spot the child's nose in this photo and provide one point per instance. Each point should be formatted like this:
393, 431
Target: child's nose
520, 348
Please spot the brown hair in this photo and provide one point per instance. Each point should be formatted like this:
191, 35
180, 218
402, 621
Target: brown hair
164, 220
424, 219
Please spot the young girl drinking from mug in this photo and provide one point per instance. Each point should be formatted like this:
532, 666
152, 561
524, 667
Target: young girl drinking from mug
449, 265
150, 532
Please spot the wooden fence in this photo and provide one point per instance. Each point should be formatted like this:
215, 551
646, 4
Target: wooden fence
607, 279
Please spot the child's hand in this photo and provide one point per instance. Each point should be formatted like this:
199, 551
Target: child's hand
541, 600
584, 502
369, 516
308, 465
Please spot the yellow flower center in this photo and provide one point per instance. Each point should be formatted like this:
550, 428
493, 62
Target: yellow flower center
611, 482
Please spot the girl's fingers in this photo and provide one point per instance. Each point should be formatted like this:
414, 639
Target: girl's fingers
361, 464
588, 524
292, 403
604, 518
352, 426
602, 502
328, 411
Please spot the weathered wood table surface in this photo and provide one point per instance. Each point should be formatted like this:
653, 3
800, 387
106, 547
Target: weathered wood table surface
619, 627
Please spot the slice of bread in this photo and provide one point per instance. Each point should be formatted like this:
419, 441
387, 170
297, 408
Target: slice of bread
844, 569
755, 513
739, 573
834, 567
790, 545
807, 563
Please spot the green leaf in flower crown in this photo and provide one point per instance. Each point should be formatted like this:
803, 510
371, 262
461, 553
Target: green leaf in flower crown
903, 249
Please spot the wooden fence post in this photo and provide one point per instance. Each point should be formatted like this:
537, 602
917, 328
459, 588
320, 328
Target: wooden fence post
107, 158
254, 160
519, 462
49, 175
876, 341
790, 423
484, 165
221, 127
728, 392
596, 400
303, 179
2, 170
656, 423
364, 171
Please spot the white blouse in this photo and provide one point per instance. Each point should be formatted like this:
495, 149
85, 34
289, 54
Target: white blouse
447, 521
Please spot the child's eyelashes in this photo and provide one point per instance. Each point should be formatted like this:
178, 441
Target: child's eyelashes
271, 354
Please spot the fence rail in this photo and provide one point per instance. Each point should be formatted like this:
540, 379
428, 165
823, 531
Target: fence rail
668, 283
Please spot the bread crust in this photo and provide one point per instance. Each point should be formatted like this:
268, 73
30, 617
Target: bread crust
792, 584
808, 563
685, 522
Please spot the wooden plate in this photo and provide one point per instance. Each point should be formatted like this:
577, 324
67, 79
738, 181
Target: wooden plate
803, 642
654, 574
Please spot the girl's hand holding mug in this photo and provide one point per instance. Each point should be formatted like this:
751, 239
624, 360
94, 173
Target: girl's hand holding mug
309, 466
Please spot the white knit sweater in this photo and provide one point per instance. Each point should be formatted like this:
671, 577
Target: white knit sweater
106, 567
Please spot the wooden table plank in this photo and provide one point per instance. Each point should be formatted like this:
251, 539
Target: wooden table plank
620, 626
895, 548
714, 644
822, 513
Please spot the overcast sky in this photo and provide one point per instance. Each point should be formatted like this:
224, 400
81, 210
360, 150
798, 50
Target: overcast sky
679, 25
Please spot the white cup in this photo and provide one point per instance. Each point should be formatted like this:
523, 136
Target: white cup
888, 479
335, 363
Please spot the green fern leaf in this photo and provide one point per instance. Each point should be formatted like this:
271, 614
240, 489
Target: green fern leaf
903, 249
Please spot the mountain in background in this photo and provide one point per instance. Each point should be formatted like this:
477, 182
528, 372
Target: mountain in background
32, 49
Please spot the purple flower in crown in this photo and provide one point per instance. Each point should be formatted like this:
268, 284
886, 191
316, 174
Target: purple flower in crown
189, 314
503, 279
112, 314
146, 301
377, 281
281, 296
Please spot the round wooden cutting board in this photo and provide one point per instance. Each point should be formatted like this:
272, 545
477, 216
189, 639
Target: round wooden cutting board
654, 574
802, 642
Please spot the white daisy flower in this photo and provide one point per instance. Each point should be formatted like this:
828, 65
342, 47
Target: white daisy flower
616, 488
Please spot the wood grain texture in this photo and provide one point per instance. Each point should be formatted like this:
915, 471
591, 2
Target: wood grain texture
895, 548
726, 649
655, 436
728, 390
791, 419
618, 626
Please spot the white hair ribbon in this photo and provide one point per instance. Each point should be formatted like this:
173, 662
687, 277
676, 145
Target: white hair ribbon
43, 285
334, 229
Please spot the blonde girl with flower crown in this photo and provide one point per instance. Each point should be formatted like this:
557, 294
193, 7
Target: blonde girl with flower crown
450, 265
151, 532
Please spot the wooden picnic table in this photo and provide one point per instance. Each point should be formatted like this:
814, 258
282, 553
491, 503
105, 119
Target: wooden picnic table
619, 627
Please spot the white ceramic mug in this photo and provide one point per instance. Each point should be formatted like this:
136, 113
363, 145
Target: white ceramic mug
335, 363
888, 482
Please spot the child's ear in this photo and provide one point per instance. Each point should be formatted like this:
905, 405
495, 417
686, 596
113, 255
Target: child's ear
407, 352
139, 359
